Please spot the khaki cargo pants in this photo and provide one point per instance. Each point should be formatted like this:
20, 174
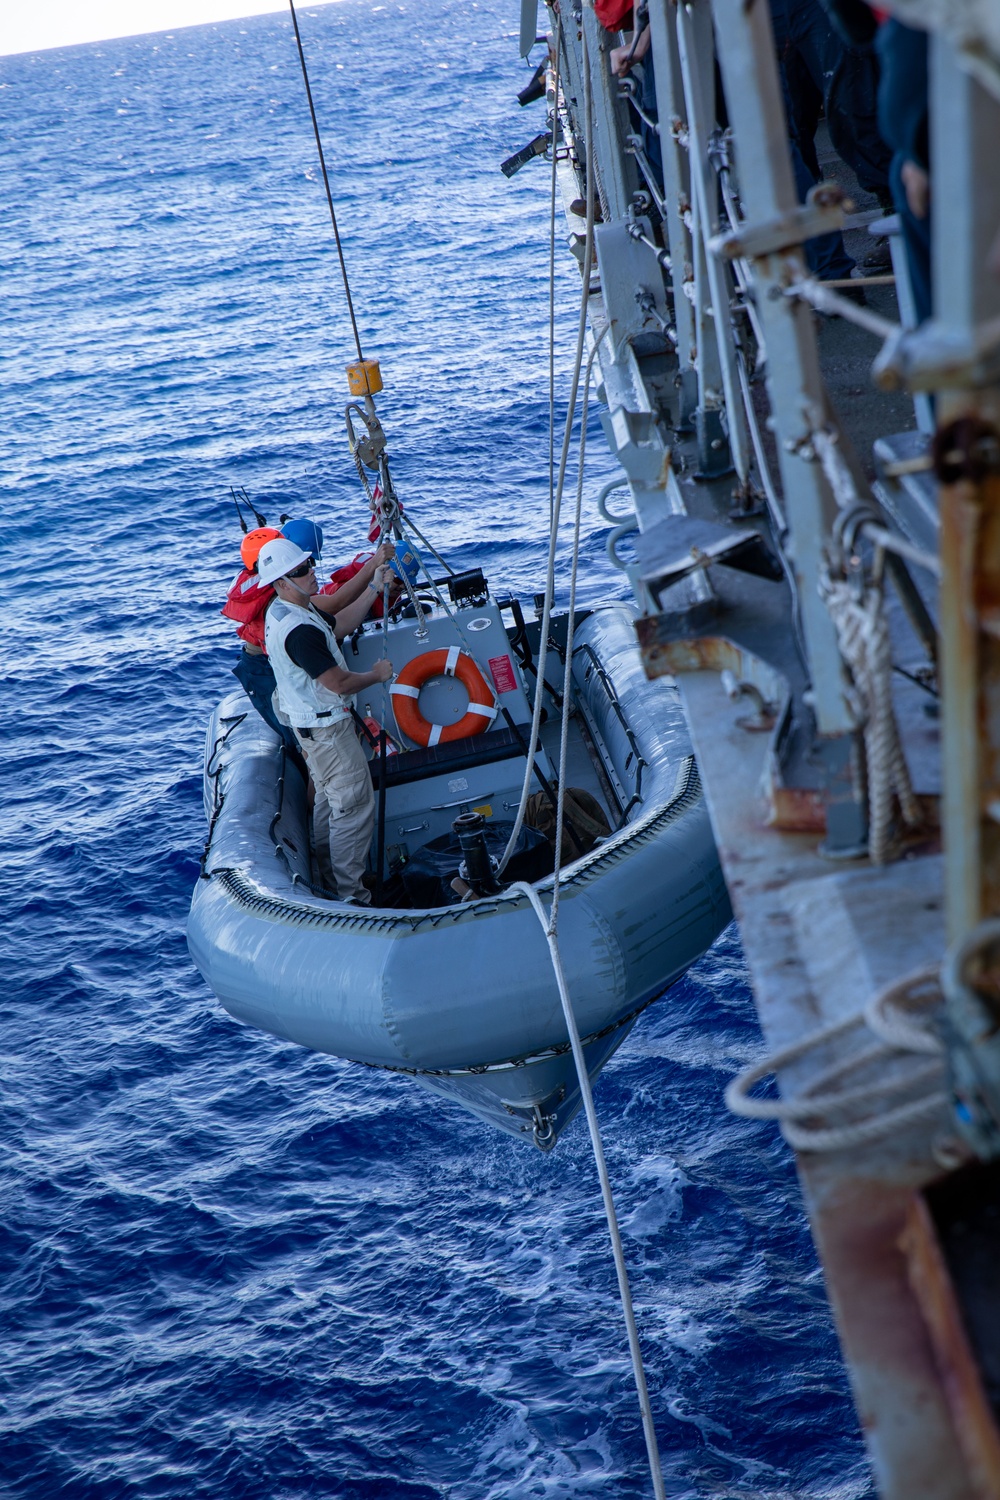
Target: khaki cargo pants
344, 812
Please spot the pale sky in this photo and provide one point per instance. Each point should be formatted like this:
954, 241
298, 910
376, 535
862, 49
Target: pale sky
31, 25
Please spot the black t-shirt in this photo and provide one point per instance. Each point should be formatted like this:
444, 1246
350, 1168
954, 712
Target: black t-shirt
308, 649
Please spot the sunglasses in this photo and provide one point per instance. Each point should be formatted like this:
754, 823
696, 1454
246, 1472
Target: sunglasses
302, 569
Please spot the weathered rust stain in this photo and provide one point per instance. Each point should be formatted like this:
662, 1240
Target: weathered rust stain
857, 1223
970, 1410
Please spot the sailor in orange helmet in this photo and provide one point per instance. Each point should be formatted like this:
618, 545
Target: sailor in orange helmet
247, 602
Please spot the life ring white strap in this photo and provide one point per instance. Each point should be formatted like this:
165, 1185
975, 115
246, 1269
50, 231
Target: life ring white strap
487, 711
434, 738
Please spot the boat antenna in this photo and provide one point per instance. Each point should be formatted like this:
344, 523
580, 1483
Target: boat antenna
243, 524
326, 180
242, 495
261, 520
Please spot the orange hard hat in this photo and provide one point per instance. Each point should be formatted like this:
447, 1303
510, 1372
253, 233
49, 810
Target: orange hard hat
252, 543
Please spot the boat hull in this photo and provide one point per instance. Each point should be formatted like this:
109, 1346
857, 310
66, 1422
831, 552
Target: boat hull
463, 998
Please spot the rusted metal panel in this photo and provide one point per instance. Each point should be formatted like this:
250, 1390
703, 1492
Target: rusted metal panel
820, 941
932, 1285
970, 670
967, 453
858, 1223
822, 938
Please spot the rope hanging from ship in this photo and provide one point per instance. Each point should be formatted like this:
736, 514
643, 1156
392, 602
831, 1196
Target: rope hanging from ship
549, 921
367, 443
368, 449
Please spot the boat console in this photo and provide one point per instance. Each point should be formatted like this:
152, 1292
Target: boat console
428, 787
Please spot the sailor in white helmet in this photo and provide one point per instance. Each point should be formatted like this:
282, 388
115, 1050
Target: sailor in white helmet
314, 688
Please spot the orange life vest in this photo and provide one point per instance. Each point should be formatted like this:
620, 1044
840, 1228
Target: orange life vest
245, 603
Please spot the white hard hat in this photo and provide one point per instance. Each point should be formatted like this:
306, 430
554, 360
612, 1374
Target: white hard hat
278, 557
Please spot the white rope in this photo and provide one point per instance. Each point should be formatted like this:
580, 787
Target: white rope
897, 1017
557, 38
549, 922
621, 1270
556, 501
570, 631
857, 609
863, 636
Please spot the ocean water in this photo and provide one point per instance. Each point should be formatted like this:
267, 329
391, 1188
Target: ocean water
229, 1267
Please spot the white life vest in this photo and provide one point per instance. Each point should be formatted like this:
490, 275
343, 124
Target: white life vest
305, 702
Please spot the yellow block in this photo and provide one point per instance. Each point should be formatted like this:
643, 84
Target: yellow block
485, 809
364, 378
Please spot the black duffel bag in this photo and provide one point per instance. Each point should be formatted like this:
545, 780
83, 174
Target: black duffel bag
428, 874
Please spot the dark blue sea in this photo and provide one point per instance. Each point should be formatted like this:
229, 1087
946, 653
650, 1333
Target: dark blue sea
229, 1267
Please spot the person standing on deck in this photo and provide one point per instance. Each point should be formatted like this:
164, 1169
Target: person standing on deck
823, 70
314, 688
247, 603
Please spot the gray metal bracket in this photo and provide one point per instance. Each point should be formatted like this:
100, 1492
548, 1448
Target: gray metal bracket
822, 212
680, 545
938, 357
666, 651
631, 281
637, 442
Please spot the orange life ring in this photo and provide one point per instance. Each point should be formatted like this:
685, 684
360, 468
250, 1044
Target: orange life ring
448, 662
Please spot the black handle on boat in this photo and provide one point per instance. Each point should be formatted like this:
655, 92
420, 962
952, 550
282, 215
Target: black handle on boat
478, 868
519, 640
380, 826
543, 780
362, 728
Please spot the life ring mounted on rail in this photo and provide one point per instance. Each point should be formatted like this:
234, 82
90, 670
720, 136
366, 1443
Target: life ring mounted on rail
447, 662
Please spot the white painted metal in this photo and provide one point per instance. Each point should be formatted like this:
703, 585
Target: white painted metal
795, 384
672, 115
694, 34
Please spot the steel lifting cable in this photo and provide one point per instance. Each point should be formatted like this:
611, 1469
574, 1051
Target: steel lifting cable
430, 548
549, 921
326, 181
621, 1270
556, 503
386, 526
557, 40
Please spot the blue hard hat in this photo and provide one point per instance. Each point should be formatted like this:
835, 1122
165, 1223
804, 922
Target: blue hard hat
305, 534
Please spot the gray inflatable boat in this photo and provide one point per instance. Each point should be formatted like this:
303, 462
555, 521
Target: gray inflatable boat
460, 995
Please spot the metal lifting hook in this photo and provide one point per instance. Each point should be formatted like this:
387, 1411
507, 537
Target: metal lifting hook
847, 531
368, 452
371, 446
